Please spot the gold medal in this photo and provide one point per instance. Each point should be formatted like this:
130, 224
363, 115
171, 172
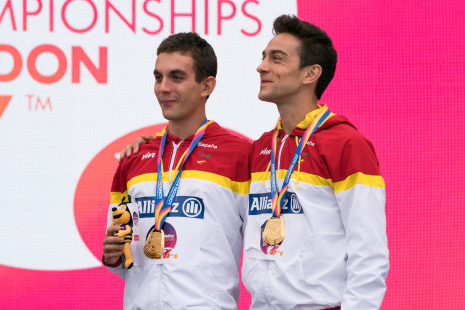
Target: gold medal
155, 244
274, 232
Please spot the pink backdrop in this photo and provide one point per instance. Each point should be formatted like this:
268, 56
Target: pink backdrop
400, 81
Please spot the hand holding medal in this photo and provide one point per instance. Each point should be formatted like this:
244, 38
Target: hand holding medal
155, 244
274, 231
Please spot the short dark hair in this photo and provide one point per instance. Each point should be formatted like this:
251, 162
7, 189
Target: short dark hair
316, 47
205, 63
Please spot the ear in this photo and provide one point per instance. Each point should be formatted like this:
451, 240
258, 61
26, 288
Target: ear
311, 74
207, 86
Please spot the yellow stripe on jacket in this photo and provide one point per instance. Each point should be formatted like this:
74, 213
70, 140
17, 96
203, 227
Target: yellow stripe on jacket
349, 182
237, 187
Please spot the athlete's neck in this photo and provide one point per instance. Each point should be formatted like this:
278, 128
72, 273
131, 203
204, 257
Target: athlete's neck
184, 128
294, 113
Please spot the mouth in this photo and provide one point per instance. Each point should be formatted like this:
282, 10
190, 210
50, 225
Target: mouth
167, 102
265, 82
117, 216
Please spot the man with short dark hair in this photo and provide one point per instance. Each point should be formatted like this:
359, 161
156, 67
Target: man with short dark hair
188, 190
316, 228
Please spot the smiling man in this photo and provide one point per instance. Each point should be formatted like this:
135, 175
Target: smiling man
316, 227
190, 184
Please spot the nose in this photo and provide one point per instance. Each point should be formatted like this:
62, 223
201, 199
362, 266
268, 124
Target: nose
263, 67
164, 86
113, 209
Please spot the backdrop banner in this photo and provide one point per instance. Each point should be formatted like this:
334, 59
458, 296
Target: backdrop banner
76, 85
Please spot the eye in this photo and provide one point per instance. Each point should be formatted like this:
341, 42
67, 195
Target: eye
121, 208
177, 77
277, 58
158, 78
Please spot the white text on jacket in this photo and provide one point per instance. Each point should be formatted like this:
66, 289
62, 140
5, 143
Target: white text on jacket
148, 155
212, 146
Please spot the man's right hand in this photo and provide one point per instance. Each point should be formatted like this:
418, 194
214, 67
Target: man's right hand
134, 147
112, 247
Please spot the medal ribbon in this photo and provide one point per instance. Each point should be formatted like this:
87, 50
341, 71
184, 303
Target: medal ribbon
277, 200
162, 205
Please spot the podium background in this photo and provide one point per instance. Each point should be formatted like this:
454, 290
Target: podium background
399, 79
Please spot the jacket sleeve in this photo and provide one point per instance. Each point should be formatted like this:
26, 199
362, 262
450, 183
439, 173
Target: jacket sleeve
241, 190
118, 190
360, 192
239, 158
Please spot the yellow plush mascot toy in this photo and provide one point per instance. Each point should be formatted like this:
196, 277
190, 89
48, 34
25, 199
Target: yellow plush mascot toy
121, 216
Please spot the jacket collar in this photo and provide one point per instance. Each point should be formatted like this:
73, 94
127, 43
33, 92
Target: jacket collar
299, 130
188, 140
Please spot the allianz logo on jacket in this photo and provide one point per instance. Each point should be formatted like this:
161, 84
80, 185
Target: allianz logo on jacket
212, 146
183, 206
261, 203
148, 155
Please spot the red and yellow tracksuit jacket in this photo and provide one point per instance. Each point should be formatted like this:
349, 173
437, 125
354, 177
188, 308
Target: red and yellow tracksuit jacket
203, 232
335, 249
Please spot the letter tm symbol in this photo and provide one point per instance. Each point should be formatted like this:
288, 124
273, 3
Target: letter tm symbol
39, 103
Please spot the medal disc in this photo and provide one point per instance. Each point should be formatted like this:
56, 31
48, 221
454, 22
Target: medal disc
274, 231
155, 244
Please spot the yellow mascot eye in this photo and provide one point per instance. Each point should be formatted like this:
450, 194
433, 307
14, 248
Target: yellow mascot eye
121, 208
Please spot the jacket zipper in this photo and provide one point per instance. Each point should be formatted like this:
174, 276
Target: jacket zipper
280, 151
264, 285
283, 141
173, 157
160, 285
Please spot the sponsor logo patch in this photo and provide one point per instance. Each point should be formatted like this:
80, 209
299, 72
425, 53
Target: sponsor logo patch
192, 207
261, 203
149, 155
204, 155
183, 206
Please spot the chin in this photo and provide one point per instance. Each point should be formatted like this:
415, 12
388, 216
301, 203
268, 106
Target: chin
265, 97
173, 116
169, 115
